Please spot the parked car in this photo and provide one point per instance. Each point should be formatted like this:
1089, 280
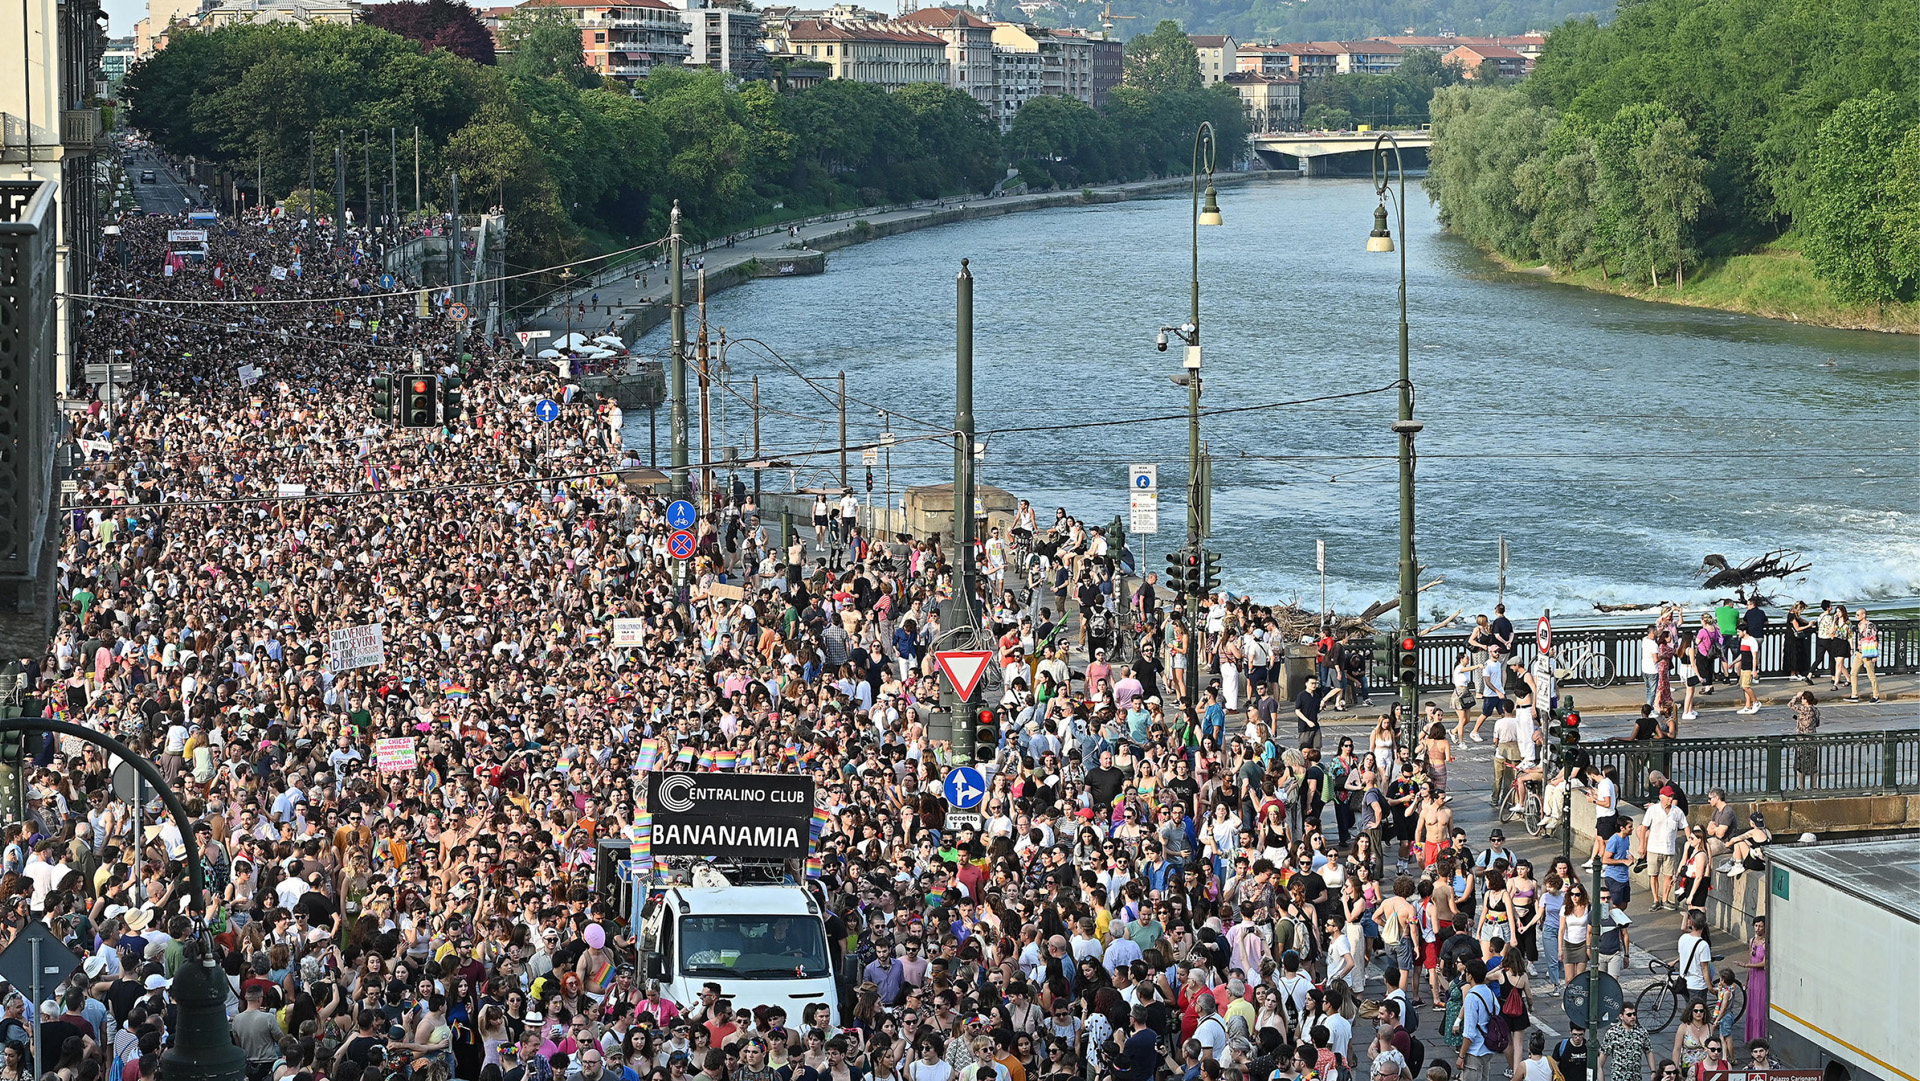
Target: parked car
146, 176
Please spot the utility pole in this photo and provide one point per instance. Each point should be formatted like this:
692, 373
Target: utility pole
393, 173
960, 611
366, 171
340, 191
759, 466
310, 174
678, 424
416, 168
459, 271
843, 431
706, 381
886, 440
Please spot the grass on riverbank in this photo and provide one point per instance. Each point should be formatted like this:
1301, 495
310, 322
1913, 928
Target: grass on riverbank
1776, 282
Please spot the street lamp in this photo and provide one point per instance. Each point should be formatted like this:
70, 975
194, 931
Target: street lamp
566, 284
1204, 150
1385, 173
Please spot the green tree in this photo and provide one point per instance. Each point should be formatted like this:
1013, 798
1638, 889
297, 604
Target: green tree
545, 43
1162, 60
1481, 136
1670, 171
1863, 200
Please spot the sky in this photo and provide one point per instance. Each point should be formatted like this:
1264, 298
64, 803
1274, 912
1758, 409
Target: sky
122, 14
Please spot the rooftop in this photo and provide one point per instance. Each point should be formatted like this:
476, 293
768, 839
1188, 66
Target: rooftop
944, 18
1209, 41
1489, 52
821, 30
1882, 873
614, 4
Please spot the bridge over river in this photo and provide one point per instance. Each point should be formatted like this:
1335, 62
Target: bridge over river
1336, 153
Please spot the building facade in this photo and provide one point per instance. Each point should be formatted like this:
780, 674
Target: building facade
1272, 101
1016, 81
1510, 64
969, 41
870, 52
625, 40
1109, 66
297, 12
1368, 58
1266, 59
1219, 56
1065, 57
726, 38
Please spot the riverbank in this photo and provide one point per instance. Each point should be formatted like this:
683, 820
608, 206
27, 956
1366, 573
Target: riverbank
634, 299
1776, 282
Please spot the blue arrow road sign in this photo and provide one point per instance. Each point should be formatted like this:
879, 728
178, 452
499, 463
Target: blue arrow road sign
386, 281
547, 410
965, 788
681, 515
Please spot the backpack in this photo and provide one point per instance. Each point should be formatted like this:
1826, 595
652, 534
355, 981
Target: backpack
1416, 1054
1497, 1035
1409, 1017
1390, 929
1514, 1009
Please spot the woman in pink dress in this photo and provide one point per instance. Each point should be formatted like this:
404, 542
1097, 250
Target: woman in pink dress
1756, 966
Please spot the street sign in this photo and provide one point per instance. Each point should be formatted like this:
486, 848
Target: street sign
680, 545
546, 410
1543, 636
457, 312
55, 960
964, 667
965, 787
870, 456
1320, 555
1611, 999
963, 820
127, 784
1143, 478
386, 281
1143, 512
681, 515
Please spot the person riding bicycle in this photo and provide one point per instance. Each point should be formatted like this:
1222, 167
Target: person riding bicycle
1024, 524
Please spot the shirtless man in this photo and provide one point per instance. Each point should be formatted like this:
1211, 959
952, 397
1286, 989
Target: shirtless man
1436, 823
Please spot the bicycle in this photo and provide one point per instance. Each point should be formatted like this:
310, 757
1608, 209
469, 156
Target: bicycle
1594, 667
1522, 795
1668, 998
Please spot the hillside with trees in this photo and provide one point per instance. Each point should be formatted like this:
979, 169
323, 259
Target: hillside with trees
1753, 154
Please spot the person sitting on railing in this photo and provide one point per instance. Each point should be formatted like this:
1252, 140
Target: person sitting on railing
1746, 846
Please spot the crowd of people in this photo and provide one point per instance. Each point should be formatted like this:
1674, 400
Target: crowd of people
1150, 894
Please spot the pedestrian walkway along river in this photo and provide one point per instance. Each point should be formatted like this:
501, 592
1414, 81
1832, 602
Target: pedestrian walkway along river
1613, 442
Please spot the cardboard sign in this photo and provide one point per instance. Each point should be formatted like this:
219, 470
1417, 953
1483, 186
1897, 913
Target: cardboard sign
629, 633
356, 647
394, 755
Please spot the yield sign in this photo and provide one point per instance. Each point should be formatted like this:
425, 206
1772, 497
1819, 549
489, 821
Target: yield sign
964, 668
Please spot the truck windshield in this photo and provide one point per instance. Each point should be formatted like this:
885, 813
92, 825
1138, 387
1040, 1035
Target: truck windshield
753, 947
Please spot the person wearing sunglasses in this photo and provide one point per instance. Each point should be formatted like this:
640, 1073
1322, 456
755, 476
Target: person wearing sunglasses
1691, 1035
1623, 1050
1716, 1060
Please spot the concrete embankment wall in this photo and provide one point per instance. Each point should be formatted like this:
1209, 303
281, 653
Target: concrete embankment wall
811, 259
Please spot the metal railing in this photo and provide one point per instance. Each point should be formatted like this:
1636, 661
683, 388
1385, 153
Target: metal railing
1770, 767
1899, 650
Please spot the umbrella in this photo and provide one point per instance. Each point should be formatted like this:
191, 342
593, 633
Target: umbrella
572, 341
548, 353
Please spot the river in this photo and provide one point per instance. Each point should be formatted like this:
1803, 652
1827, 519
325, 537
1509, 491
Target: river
1613, 442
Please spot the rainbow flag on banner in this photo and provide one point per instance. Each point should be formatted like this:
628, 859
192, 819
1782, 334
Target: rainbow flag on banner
814, 866
685, 757
649, 756
706, 760
726, 759
642, 839
818, 825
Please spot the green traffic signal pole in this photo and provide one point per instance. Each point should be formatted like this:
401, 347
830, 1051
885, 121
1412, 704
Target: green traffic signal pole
960, 613
203, 1047
1204, 150
1405, 427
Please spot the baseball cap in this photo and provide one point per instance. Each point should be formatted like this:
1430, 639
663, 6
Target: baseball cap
1667, 790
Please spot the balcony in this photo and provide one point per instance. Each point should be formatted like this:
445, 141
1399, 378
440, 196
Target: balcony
79, 128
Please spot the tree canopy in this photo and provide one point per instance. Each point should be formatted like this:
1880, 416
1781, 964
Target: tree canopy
1693, 127
435, 24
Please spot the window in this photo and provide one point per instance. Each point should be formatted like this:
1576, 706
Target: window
600, 37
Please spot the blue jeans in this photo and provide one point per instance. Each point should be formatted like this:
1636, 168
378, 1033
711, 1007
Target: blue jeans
1653, 685
1550, 934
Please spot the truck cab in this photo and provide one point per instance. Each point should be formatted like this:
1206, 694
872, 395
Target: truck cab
764, 945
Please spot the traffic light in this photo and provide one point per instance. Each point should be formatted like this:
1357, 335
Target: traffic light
383, 398
1209, 573
986, 737
1177, 579
421, 400
1408, 662
450, 405
13, 747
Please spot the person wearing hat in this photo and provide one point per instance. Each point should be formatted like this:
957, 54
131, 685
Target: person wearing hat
1662, 827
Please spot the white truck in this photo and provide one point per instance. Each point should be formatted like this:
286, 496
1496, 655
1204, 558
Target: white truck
764, 945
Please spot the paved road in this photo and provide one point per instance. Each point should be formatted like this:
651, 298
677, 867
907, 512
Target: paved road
168, 194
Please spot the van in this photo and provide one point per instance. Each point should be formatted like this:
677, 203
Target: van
763, 945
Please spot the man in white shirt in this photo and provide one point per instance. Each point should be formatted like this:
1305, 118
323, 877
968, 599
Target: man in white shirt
1211, 1032
1663, 825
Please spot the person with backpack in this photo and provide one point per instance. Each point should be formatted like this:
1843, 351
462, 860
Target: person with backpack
1389, 1036
1483, 1031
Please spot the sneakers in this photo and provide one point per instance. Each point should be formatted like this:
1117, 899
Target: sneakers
1751, 710
1727, 868
1856, 698
1690, 716
1478, 738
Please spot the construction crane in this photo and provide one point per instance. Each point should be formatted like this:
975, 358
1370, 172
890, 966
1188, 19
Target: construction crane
1107, 16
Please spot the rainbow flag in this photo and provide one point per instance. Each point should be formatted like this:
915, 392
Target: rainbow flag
706, 760
819, 823
454, 690
814, 866
649, 756
726, 759
642, 838
685, 757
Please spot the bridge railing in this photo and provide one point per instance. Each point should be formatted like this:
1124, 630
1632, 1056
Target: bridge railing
1769, 767
1899, 651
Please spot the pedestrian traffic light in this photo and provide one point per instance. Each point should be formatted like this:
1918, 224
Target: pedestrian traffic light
383, 398
1408, 662
450, 404
1209, 573
421, 404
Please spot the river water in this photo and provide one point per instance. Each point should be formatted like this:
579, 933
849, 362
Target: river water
1614, 443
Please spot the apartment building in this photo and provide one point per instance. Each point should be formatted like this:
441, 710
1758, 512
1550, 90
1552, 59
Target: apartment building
1272, 101
969, 41
724, 36
1219, 56
870, 51
625, 40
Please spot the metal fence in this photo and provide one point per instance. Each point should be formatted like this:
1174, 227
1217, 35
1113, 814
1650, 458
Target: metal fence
1899, 650
1770, 767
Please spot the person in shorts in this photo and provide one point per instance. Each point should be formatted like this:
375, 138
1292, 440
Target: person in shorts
1493, 698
